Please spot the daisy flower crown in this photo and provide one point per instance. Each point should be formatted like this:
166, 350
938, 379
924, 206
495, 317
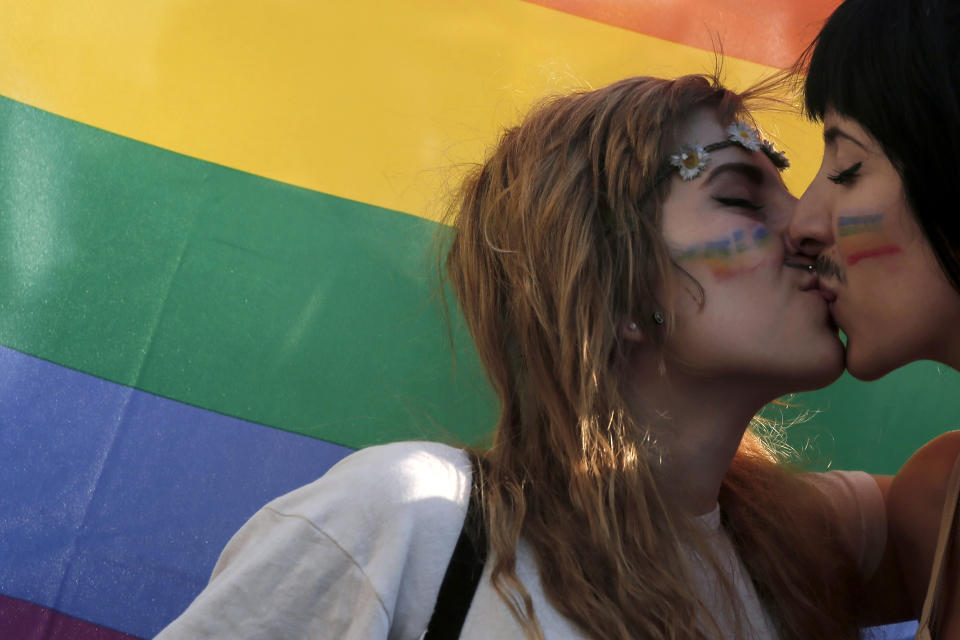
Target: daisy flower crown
693, 158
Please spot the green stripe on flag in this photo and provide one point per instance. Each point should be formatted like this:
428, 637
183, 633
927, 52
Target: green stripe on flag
224, 290
293, 308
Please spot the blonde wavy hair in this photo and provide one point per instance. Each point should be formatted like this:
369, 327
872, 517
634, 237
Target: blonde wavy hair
556, 238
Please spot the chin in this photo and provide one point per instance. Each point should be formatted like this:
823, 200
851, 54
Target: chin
821, 378
866, 366
822, 370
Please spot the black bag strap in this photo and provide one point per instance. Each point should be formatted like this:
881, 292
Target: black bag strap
464, 571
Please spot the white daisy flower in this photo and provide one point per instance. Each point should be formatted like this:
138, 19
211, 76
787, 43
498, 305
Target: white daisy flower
690, 161
744, 135
778, 158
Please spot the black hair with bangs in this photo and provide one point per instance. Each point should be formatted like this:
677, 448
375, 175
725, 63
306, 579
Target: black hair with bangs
894, 67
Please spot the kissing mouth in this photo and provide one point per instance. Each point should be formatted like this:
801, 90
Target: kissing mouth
801, 265
813, 283
809, 269
828, 294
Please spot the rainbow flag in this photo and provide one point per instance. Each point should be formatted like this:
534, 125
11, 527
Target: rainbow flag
217, 223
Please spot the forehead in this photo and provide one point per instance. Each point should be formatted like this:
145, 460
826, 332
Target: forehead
838, 127
834, 117
702, 128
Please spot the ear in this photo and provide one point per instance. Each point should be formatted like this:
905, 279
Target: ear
630, 331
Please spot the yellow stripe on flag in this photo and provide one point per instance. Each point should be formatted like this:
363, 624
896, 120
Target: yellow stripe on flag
376, 102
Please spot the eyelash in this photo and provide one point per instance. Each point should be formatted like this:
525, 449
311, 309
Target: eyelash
738, 202
847, 175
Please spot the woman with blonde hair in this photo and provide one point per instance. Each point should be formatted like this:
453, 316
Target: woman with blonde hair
619, 263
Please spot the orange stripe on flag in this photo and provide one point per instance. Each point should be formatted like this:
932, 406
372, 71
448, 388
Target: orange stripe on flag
771, 32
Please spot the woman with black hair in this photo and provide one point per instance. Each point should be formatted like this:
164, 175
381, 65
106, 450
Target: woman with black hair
881, 220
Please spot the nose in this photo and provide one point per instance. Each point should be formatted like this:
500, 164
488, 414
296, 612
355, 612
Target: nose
810, 229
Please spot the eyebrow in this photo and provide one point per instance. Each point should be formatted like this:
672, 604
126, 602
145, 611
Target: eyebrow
830, 137
751, 172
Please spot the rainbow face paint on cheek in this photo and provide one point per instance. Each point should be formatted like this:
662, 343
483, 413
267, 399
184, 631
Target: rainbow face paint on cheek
876, 252
862, 238
729, 256
855, 225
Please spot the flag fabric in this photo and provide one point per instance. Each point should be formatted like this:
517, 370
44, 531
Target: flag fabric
219, 226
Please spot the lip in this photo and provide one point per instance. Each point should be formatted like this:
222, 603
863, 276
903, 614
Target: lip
828, 294
813, 284
810, 283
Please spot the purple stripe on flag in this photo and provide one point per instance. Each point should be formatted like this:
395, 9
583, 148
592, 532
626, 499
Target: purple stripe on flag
114, 503
24, 620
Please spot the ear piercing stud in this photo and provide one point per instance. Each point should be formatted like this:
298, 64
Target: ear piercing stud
657, 318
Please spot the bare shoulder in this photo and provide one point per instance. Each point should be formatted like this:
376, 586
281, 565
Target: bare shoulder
916, 494
915, 502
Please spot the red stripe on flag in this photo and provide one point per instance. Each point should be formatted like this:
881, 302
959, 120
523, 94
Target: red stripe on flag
771, 32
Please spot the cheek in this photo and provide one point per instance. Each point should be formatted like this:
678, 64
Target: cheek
890, 322
865, 236
728, 257
891, 276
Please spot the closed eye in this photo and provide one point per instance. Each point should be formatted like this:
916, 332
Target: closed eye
739, 202
847, 175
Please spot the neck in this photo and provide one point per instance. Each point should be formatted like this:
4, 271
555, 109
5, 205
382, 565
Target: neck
951, 350
944, 342
699, 425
